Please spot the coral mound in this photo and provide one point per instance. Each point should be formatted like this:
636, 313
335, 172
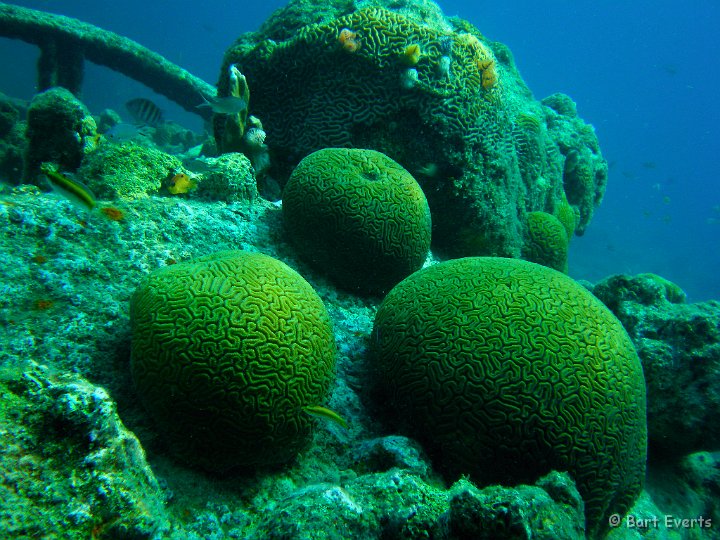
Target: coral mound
227, 350
359, 216
546, 241
505, 370
433, 94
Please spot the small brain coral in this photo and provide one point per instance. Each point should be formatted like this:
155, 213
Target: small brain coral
546, 241
358, 216
507, 370
227, 351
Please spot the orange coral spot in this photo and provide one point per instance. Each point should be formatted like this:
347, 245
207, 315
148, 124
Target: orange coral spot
42, 305
348, 40
39, 259
112, 213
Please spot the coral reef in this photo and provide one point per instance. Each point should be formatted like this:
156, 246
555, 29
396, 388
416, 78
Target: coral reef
12, 139
86, 267
359, 216
68, 464
679, 346
82, 458
457, 116
551, 509
60, 130
505, 369
112, 171
398, 505
229, 178
227, 352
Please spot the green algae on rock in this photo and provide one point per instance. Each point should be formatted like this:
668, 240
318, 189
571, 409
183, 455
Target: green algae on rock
506, 369
227, 350
68, 464
358, 216
229, 178
679, 346
112, 171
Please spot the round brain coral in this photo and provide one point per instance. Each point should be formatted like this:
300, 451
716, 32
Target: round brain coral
358, 216
506, 370
546, 241
227, 350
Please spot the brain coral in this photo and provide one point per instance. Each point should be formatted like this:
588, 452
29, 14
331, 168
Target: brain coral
506, 369
359, 216
546, 241
458, 116
227, 349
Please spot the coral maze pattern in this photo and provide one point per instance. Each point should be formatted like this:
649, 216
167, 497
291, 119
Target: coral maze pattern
438, 98
329, 89
506, 369
546, 241
227, 350
359, 216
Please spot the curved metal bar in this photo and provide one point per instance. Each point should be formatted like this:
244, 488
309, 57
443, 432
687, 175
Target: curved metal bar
66, 42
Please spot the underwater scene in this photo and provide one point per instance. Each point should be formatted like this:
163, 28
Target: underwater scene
373, 269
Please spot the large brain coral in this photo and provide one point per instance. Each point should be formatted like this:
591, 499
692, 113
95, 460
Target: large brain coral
359, 216
433, 94
227, 350
506, 370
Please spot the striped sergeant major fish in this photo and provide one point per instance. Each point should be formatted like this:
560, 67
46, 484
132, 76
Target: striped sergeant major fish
144, 111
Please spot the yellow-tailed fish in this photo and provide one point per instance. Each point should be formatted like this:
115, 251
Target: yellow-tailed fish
323, 412
69, 187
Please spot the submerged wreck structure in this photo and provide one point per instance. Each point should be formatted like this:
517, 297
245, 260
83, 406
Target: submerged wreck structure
66, 43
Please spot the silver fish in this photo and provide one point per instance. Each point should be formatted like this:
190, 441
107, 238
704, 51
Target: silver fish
224, 105
122, 132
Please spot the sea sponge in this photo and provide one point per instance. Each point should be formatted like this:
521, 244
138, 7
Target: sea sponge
358, 216
546, 241
227, 351
506, 370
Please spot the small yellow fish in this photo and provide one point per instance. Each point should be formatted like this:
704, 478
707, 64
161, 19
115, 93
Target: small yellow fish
181, 183
69, 187
322, 412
